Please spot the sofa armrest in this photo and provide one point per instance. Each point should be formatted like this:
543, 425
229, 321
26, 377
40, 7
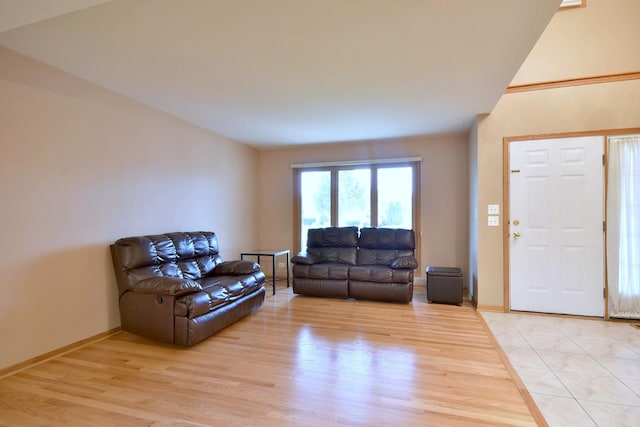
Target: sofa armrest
235, 268
303, 258
404, 262
166, 286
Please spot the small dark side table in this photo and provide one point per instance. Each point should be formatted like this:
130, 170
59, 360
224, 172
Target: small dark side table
444, 284
258, 253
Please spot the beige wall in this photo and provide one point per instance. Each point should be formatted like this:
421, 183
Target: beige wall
444, 190
80, 167
597, 40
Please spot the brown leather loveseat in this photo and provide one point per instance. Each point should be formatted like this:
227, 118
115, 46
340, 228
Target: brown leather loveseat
377, 264
175, 288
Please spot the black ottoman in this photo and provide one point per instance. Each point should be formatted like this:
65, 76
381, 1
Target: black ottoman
444, 284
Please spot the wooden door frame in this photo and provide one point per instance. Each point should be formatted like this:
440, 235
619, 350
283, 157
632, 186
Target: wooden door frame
506, 141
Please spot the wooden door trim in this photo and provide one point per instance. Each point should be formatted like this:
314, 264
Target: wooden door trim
506, 224
605, 161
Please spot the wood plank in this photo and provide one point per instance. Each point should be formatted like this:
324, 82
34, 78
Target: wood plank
297, 361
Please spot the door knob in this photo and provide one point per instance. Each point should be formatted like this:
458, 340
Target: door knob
516, 235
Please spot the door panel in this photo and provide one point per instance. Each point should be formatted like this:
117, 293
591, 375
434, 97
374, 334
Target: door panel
556, 208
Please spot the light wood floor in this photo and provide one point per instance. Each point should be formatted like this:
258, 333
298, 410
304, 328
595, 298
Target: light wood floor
298, 361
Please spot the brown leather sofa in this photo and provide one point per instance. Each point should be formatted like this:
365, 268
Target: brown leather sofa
175, 288
377, 264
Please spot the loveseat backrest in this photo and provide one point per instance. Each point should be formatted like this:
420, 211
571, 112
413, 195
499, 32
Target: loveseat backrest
333, 244
378, 246
187, 255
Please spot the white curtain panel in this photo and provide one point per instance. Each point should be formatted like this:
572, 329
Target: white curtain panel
623, 226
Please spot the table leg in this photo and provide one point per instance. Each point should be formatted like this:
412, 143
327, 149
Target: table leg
274, 274
288, 269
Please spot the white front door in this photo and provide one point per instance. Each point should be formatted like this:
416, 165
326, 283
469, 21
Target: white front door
556, 239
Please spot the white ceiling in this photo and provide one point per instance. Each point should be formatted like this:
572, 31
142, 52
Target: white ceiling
277, 72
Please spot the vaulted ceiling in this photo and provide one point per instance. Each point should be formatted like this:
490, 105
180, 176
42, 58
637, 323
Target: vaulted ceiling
277, 72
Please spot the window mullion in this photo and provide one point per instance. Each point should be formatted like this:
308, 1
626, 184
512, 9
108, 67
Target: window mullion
334, 197
374, 196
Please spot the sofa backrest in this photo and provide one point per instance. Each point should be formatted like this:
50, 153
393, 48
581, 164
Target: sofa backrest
379, 246
333, 244
186, 255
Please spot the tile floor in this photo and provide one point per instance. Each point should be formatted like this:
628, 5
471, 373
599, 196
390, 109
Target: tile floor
580, 372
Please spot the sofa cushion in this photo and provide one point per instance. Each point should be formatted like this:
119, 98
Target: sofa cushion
333, 255
322, 271
381, 256
235, 286
144, 251
380, 274
331, 245
332, 237
185, 255
381, 246
386, 238
216, 291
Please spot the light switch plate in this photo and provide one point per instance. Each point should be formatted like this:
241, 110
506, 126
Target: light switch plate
494, 209
494, 221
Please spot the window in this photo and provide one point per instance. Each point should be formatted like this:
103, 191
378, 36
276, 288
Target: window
566, 4
623, 226
395, 197
354, 197
315, 197
384, 194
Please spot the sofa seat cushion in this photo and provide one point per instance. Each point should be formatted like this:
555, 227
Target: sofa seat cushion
322, 271
217, 291
380, 274
381, 256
